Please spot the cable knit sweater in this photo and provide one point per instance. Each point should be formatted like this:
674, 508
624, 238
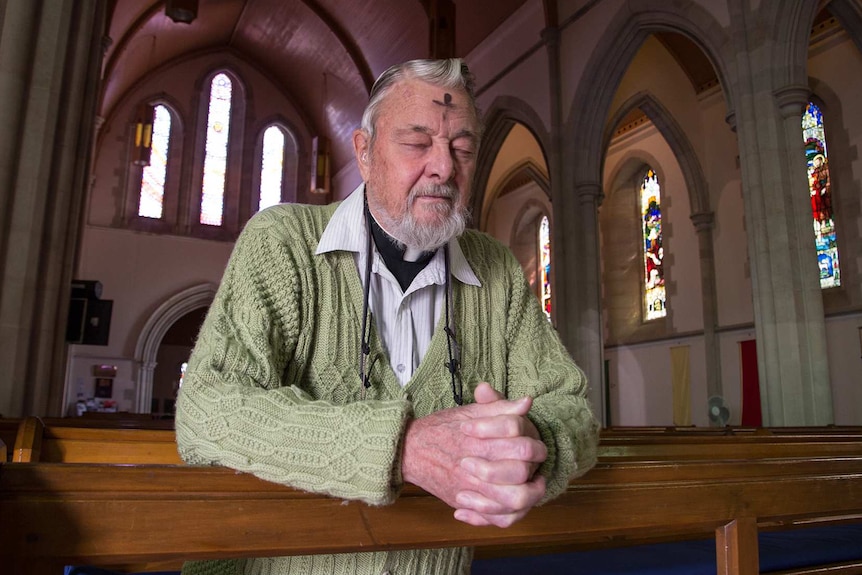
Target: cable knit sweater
272, 387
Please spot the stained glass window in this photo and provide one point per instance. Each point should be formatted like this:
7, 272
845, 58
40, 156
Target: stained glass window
820, 192
545, 264
151, 204
215, 162
271, 167
655, 297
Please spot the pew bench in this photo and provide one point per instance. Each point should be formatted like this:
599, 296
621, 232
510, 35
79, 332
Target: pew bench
72, 502
8, 432
60, 443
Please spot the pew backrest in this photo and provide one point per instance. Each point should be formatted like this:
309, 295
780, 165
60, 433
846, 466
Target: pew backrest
37, 442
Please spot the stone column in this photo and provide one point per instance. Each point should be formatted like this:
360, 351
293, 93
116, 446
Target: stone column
704, 224
50, 62
584, 272
788, 307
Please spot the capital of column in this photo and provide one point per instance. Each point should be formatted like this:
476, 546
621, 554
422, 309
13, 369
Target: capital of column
703, 221
791, 100
589, 193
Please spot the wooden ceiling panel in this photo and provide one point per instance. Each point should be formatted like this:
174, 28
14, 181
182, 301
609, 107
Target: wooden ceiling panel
387, 31
323, 54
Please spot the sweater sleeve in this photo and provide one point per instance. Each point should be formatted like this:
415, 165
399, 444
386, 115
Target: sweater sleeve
540, 366
233, 409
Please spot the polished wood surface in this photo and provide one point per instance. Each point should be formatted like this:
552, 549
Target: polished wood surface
151, 515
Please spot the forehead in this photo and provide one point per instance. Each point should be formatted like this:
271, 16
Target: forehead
417, 102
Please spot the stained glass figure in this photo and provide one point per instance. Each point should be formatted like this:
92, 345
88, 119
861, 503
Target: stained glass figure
151, 203
271, 167
215, 161
655, 296
820, 192
545, 264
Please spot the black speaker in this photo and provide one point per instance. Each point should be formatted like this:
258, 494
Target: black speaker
89, 320
97, 324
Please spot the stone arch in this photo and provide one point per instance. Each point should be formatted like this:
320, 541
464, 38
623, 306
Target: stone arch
504, 112
849, 14
154, 331
792, 23
634, 22
675, 137
526, 169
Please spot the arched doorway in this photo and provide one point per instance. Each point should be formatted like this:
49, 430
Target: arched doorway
171, 359
154, 332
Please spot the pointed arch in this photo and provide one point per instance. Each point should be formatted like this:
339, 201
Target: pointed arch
792, 22
154, 330
501, 117
674, 135
524, 171
628, 30
849, 14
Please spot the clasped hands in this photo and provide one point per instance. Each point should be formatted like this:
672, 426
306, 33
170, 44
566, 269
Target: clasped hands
479, 459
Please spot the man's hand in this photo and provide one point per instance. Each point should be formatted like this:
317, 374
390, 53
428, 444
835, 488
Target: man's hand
479, 458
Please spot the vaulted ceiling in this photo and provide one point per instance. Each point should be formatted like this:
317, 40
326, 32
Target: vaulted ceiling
324, 54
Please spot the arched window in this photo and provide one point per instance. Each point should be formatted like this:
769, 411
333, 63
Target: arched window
271, 167
215, 161
545, 264
820, 191
151, 201
655, 297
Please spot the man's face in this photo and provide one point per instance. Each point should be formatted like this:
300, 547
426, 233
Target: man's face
420, 166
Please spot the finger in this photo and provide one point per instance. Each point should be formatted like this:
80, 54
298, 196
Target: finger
517, 448
499, 407
506, 472
484, 393
491, 499
499, 426
479, 520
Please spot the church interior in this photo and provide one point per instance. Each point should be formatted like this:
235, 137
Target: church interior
660, 171
680, 181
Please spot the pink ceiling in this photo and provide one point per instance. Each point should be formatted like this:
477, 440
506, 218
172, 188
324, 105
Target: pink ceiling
323, 53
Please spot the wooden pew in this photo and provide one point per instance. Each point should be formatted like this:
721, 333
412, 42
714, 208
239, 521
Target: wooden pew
59, 443
8, 431
77, 513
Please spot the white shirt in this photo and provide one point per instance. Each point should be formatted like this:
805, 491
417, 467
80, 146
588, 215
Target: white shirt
405, 320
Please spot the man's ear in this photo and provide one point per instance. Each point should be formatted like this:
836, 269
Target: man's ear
361, 149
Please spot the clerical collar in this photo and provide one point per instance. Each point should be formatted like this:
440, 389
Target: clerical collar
393, 255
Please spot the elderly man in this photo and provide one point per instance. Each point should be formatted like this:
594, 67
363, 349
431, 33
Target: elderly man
354, 347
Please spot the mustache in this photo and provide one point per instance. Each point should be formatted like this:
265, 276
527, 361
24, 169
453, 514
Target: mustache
448, 190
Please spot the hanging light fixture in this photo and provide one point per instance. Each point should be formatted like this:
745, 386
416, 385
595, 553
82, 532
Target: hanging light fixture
143, 144
181, 11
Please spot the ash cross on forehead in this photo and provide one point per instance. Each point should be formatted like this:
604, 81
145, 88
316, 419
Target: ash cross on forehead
447, 101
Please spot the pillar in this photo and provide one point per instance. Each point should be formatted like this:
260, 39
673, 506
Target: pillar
50, 63
704, 222
788, 306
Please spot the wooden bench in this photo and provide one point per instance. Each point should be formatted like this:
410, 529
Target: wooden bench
59, 443
78, 513
8, 431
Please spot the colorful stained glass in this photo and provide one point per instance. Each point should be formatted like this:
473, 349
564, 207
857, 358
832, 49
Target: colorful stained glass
215, 162
820, 192
151, 204
545, 264
271, 167
655, 296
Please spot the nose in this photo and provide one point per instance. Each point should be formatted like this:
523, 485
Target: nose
441, 163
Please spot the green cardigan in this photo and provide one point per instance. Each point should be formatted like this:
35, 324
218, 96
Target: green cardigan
272, 387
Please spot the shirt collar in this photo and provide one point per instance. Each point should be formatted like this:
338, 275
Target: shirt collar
347, 231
